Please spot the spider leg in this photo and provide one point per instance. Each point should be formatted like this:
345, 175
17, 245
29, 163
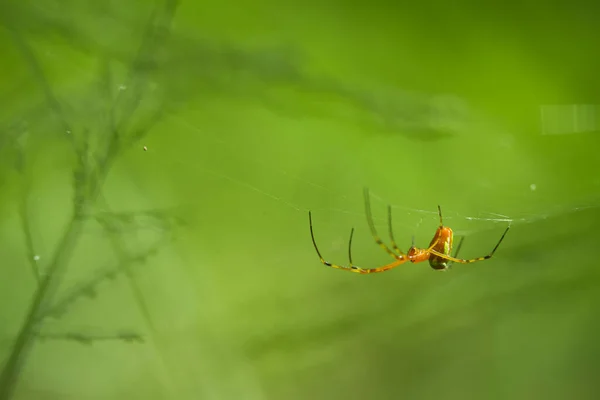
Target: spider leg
397, 254
462, 261
391, 232
352, 267
462, 239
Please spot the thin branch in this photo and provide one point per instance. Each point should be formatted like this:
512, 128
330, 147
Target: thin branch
157, 31
122, 254
90, 286
162, 218
20, 164
41, 79
32, 257
89, 339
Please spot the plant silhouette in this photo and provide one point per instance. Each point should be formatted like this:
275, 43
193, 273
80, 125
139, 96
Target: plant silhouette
96, 149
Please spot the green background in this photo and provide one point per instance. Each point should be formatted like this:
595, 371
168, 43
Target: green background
254, 113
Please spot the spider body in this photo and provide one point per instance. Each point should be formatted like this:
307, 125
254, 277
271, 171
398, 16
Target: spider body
438, 253
441, 243
416, 255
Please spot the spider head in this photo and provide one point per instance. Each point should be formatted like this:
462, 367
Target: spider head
416, 255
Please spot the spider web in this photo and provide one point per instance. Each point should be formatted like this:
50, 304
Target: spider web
275, 193
386, 116
251, 141
215, 141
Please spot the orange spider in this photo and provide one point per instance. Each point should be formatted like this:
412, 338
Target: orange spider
438, 252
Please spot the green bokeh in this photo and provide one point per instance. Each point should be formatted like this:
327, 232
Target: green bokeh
252, 114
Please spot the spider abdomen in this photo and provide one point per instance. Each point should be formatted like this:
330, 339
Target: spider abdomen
443, 244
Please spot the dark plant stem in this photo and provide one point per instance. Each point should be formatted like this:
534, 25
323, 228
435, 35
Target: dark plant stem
52, 276
87, 190
24, 341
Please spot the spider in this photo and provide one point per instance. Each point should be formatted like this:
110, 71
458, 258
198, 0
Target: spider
438, 253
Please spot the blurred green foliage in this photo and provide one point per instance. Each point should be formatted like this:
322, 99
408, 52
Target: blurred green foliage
158, 161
